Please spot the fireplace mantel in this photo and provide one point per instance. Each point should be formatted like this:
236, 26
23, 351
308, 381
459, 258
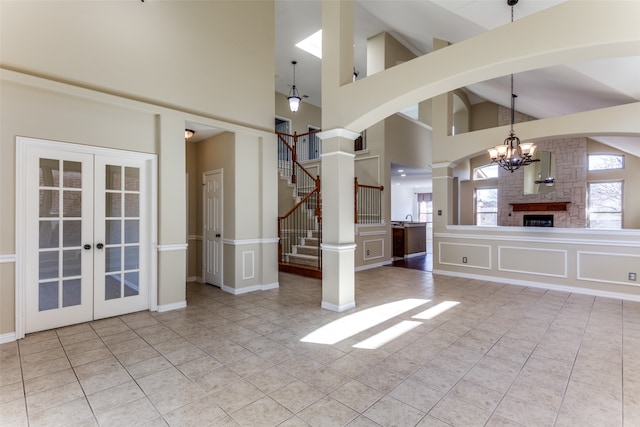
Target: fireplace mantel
540, 206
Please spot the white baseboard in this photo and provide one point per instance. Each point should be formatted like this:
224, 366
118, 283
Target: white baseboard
9, 337
549, 286
338, 308
195, 279
174, 306
240, 291
375, 265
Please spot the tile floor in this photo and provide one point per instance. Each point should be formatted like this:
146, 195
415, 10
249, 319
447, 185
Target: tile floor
504, 356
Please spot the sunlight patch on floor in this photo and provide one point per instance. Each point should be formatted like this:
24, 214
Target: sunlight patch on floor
436, 310
355, 323
388, 335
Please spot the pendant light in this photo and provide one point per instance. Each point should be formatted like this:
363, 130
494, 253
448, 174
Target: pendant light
511, 154
294, 96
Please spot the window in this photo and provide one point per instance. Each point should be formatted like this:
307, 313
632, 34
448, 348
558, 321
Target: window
486, 206
599, 162
485, 172
425, 207
605, 204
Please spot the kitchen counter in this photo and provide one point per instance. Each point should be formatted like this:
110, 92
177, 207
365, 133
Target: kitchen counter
409, 238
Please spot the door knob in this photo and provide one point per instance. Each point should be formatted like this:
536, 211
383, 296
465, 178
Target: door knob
87, 246
217, 234
99, 246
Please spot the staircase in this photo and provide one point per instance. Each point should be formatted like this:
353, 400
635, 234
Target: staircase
307, 253
299, 223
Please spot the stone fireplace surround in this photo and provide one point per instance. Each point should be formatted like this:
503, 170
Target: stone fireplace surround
570, 183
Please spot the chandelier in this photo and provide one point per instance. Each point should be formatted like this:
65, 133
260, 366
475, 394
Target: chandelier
294, 96
512, 154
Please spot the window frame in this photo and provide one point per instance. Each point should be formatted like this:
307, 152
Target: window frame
475, 207
487, 166
593, 155
589, 201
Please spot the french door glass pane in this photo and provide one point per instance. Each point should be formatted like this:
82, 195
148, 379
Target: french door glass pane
112, 259
113, 202
49, 172
71, 292
71, 263
132, 205
131, 258
113, 179
131, 284
71, 233
72, 177
47, 296
49, 203
112, 231
132, 231
112, 286
49, 234
48, 265
72, 202
132, 179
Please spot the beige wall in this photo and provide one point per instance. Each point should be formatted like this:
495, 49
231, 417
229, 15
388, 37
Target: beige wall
174, 53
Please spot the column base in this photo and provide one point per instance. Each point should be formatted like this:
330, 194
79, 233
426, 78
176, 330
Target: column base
338, 276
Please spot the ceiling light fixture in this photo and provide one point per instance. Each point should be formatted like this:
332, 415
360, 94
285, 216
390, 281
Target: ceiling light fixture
294, 96
188, 133
512, 154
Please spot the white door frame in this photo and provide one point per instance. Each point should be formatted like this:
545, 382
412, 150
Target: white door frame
22, 144
204, 218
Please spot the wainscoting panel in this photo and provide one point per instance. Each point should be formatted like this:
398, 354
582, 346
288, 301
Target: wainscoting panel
619, 265
248, 265
373, 249
543, 262
463, 255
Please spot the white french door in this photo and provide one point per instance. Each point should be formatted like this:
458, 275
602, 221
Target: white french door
86, 235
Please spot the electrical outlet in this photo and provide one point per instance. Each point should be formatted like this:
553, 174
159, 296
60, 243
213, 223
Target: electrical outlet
464, 259
368, 252
633, 277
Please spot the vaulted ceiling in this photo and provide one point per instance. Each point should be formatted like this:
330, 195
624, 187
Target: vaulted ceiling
541, 93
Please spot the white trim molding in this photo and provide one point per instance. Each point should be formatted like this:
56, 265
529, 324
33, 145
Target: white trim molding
338, 153
248, 289
172, 247
194, 237
374, 265
169, 307
338, 248
338, 308
8, 337
338, 133
241, 242
8, 258
541, 285
443, 165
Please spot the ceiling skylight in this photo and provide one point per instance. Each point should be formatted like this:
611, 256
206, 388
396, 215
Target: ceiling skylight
312, 44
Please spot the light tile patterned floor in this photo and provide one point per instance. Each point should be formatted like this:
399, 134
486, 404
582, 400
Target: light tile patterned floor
504, 356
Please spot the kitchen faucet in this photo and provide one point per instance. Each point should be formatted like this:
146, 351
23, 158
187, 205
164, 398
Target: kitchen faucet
409, 215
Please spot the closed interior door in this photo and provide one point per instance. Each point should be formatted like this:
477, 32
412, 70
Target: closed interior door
87, 227
212, 224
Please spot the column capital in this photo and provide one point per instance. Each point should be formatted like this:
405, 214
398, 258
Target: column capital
338, 133
442, 165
